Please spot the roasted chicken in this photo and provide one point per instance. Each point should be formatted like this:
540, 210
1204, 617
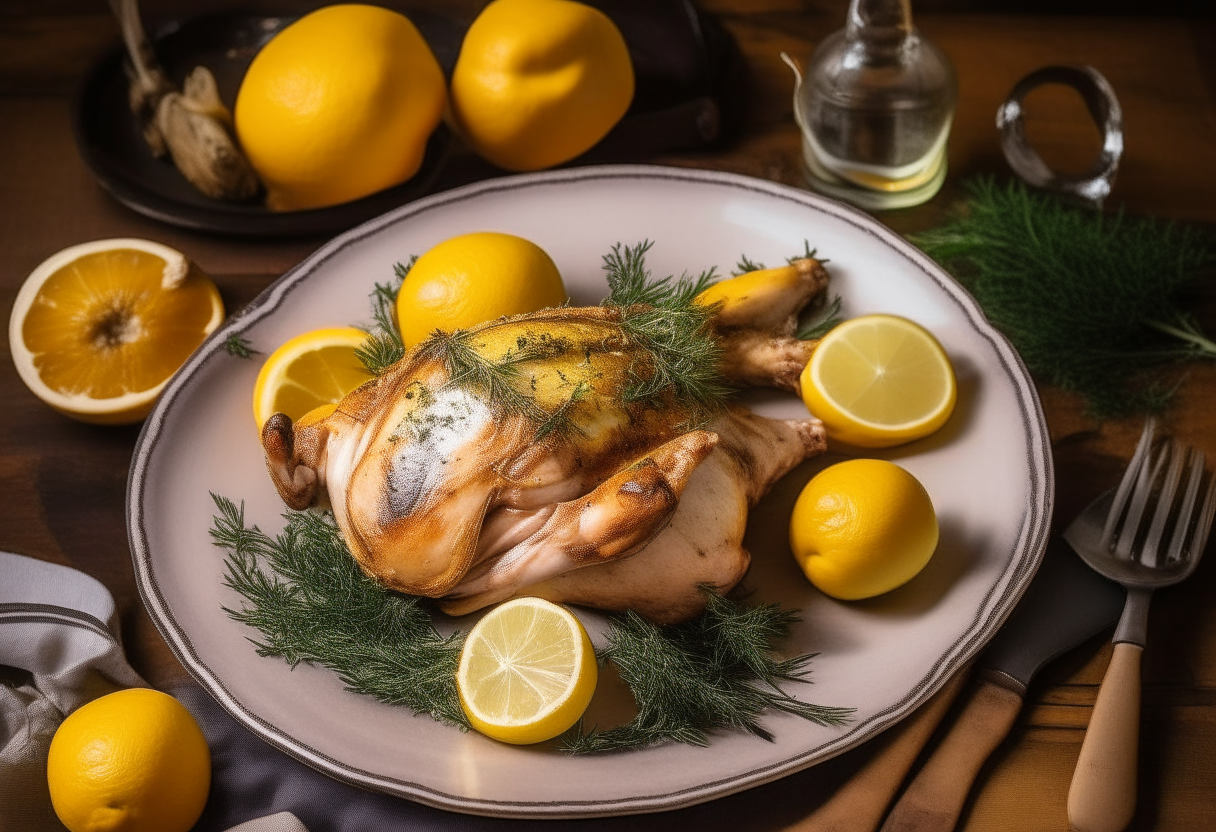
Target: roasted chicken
555, 454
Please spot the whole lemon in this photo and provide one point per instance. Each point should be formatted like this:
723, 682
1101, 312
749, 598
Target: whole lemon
538, 82
132, 761
474, 278
862, 527
339, 105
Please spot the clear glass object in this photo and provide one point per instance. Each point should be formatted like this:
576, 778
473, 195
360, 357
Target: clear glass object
875, 108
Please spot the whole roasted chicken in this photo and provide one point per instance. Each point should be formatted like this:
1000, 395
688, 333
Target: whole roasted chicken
584, 455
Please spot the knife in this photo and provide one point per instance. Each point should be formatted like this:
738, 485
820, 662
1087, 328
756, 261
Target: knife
1065, 604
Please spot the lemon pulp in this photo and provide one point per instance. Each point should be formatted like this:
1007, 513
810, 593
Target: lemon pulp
308, 372
98, 328
879, 380
527, 671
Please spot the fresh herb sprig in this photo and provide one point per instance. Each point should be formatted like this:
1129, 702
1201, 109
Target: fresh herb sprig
308, 598
663, 318
305, 594
1093, 302
384, 347
717, 671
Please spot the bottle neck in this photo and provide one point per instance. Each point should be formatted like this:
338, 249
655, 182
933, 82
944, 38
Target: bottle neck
882, 24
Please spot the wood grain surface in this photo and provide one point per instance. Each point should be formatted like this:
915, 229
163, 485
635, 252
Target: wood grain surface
63, 483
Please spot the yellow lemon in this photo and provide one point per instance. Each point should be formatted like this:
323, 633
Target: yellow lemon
98, 328
309, 374
132, 761
474, 278
879, 380
538, 82
527, 671
862, 527
339, 105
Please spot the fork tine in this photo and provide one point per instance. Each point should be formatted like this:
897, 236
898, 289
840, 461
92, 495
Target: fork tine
1204, 525
1145, 481
1150, 553
1188, 507
1125, 485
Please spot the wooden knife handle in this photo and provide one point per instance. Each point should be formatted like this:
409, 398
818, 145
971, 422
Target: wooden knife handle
934, 799
1102, 797
859, 804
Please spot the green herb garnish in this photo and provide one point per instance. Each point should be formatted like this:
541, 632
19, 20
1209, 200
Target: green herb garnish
239, 346
305, 594
663, 319
1092, 302
716, 671
383, 347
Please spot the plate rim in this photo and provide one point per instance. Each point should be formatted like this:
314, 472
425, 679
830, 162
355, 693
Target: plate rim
1031, 540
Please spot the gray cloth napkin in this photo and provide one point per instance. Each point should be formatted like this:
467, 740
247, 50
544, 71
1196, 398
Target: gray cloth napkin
59, 648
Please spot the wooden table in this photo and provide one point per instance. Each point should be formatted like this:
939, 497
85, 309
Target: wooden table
63, 482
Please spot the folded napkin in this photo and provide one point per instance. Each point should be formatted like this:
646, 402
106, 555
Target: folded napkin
59, 648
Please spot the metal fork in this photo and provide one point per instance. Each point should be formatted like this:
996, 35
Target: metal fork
1149, 532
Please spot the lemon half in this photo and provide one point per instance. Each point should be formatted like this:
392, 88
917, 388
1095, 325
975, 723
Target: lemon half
97, 329
527, 671
879, 380
311, 371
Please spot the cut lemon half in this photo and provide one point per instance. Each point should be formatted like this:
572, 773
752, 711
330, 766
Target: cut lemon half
98, 328
309, 372
527, 672
879, 380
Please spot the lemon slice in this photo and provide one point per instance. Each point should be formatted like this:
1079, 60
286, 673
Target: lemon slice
879, 380
527, 672
310, 372
98, 328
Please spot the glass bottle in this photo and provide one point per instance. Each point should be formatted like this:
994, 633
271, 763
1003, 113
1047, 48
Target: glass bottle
875, 109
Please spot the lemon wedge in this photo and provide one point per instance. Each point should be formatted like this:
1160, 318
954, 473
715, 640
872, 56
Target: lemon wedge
879, 380
310, 372
98, 328
527, 672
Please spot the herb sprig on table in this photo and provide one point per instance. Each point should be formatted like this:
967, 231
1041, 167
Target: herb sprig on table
306, 596
1094, 303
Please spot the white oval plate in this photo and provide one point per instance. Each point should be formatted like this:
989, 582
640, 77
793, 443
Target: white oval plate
988, 471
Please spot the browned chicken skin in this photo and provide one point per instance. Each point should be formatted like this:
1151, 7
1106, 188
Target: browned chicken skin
442, 491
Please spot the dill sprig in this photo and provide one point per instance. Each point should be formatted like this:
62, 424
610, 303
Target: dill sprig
307, 597
239, 346
310, 601
384, 347
663, 318
1092, 302
498, 383
716, 671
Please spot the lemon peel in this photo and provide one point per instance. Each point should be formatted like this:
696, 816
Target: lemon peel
132, 761
339, 105
473, 278
861, 528
538, 82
